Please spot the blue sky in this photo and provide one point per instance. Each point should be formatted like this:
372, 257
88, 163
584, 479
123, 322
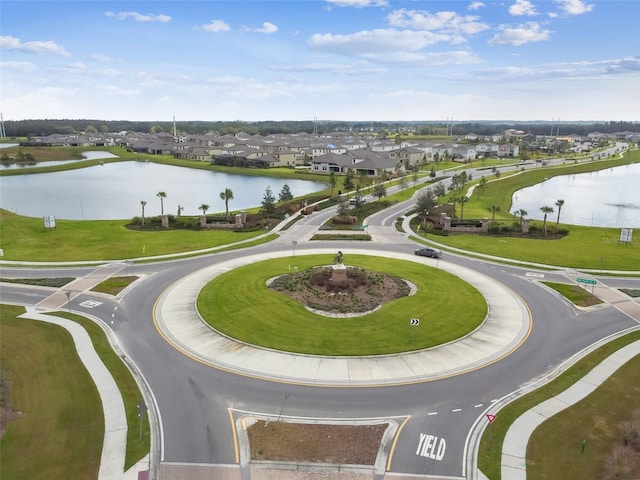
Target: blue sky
331, 59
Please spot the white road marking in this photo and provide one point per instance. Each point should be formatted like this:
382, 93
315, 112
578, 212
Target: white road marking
532, 274
90, 303
456, 410
432, 413
478, 405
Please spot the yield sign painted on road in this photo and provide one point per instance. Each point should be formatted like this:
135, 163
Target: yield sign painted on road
491, 417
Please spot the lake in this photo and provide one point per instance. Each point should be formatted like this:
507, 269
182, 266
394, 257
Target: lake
606, 198
114, 191
86, 155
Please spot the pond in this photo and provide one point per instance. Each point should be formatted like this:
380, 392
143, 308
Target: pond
86, 155
115, 190
606, 198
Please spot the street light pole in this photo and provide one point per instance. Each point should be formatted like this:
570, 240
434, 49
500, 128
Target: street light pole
68, 294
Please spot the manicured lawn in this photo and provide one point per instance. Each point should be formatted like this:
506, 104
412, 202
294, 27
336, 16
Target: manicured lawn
583, 247
240, 305
24, 238
60, 432
490, 450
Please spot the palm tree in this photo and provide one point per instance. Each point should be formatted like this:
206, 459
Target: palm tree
521, 213
204, 207
493, 209
143, 204
226, 196
559, 204
482, 185
546, 210
462, 200
162, 196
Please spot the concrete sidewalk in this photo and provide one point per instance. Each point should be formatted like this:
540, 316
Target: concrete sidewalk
505, 328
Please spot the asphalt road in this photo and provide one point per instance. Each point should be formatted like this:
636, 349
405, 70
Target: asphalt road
194, 400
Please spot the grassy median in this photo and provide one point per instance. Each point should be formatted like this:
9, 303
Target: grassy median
239, 304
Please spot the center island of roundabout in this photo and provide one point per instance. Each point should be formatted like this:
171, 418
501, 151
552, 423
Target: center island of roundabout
407, 319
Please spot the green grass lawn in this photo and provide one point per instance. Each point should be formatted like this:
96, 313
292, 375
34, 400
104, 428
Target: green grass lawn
583, 247
24, 238
60, 431
592, 409
239, 304
575, 294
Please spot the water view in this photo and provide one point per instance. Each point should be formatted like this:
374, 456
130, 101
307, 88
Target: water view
606, 198
86, 155
114, 191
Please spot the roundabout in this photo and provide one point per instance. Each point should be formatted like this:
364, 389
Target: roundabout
504, 329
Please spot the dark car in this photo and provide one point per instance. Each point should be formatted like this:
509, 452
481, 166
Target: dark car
429, 252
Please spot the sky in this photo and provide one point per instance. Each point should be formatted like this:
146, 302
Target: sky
348, 60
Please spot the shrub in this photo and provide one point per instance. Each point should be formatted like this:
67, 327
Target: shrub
344, 219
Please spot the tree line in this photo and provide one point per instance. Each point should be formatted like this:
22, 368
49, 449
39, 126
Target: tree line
43, 127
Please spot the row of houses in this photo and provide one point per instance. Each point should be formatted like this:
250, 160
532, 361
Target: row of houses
322, 153
335, 152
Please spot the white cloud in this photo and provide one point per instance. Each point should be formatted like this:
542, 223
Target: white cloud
574, 7
139, 17
358, 3
374, 42
216, 26
475, 5
110, 72
100, 57
447, 21
523, 7
8, 42
267, 28
18, 66
352, 68
527, 33
76, 66
117, 90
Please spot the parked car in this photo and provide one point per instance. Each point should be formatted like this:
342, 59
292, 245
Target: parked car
428, 252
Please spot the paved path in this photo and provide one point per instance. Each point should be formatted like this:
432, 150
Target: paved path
505, 328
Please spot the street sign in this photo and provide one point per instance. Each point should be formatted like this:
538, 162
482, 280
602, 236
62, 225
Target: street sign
415, 322
626, 234
586, 280
491, 417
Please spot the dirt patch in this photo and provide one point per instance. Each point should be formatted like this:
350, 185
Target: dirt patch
315, 443
6, 411
362, 290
